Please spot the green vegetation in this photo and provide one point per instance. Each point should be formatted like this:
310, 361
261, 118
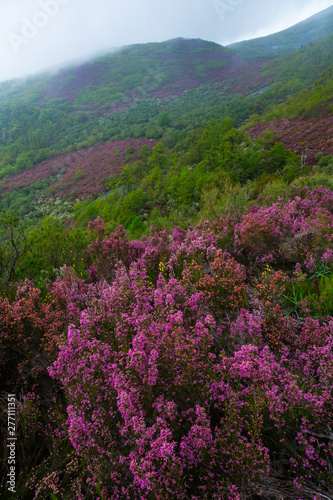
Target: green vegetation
217, 170
311, 30
187, 247
204, 164
48, 116
297, 72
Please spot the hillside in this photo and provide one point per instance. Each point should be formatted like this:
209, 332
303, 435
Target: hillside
161, 70
67, 135
303, 87
311, 30
153, 91
307, 137
78, 175
166, 276
132, 73
158, 92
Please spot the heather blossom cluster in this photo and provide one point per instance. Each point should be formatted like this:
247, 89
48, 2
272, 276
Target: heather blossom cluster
181, 369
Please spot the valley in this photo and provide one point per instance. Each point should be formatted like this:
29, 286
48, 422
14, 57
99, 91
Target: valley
166, 272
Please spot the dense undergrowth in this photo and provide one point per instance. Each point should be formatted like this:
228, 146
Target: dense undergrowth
305, 33
195, 363
171, 338
161, 99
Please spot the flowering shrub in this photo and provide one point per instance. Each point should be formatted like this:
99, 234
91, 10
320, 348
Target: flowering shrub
29, 330
296, 230
224, 287
300, 134
180, 370
104, 253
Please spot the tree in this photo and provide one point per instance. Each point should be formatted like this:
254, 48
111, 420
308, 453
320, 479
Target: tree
12, 245
158, 157
163, 119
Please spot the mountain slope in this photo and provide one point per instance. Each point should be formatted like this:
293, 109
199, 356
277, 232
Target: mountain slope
303, 86
120, 96
311, 30
160, 70
59, 132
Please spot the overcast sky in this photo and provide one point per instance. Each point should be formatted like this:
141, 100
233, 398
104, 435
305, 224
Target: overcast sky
39, 34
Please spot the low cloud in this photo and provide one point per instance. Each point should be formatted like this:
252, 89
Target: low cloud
40, 34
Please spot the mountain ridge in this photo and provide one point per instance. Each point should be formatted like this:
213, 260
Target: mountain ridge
160, 91
311, 30
166, 276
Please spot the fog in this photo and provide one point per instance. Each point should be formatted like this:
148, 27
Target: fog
41, 34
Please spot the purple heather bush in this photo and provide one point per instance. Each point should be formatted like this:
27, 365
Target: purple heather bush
183, 372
